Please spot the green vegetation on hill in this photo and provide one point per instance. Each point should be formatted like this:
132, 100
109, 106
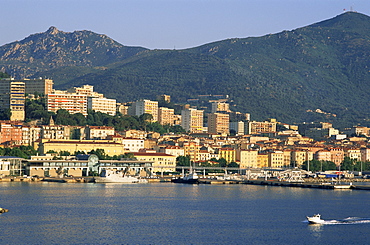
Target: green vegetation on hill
287, 75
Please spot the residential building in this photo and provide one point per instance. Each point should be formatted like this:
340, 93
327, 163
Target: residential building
73, 103
12, 97
42, 86
229, 154
161, 162
365, 154
220, 107
123, 108
353, 153
247, 158
238, 127
276, 159
218, 123
253, 127
262, 160
10, 133
322, 155
98, 132
166, 116
337, 155
191, 149
299, 157
141, 107
102, 105
30, 135
192, 120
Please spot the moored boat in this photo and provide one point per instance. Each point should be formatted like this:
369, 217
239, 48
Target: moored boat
191, 178
118, 177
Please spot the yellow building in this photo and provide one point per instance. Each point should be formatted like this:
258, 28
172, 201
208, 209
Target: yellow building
262, 160
247, 158
191, 149
103, 105
229, 154
299, 157
161, 161
110, 148
218, 123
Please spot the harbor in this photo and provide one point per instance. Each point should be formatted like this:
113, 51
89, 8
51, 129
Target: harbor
353, 184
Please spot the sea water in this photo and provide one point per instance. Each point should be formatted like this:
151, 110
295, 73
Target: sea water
169, 213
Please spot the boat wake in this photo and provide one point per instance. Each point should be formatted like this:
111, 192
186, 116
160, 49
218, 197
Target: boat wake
346, 221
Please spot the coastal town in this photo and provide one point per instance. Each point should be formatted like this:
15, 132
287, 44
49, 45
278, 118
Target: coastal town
215, 137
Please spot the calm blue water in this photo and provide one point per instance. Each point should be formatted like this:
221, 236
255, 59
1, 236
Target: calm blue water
168, 213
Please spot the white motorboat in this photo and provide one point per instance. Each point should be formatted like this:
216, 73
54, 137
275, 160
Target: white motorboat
315, 219
118, 177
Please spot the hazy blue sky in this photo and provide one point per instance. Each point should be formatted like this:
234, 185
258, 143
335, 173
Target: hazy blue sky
167, 24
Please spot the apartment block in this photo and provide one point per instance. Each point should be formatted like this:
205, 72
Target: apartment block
276, 159
98, 132
141, 107
299, 157
322, 155
102, 105
229, 154
253, 127
218, 123
73, 103
238, 127
87, 90
166, 116
10, 134
192, 120
161, 161
12, 97
220, 107
40, 86
247, 158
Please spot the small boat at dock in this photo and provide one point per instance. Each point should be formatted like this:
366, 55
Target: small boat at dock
118, 177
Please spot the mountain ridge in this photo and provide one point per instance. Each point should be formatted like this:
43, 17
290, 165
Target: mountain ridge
286, 75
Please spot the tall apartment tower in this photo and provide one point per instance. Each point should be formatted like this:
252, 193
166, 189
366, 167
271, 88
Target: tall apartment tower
218, 123
12, 97
140, 107
41, 86
192, 120
166, 116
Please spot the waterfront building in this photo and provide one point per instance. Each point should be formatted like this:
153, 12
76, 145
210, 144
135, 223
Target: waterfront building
365, 154
102, 105
161, 162
247, 158
12, 97
218, 123
192, 120
141, 107
110, 148
337, 155
322, 155
191, 149
352, 153
262, 160
229, 154
10, 165
276, 159
299, 157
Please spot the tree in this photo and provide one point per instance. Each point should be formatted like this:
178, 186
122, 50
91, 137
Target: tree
100, 153
183, 161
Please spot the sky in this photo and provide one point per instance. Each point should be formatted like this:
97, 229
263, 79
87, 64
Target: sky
167, 24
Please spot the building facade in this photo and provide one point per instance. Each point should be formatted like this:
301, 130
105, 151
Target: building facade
218, 123
192, 120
